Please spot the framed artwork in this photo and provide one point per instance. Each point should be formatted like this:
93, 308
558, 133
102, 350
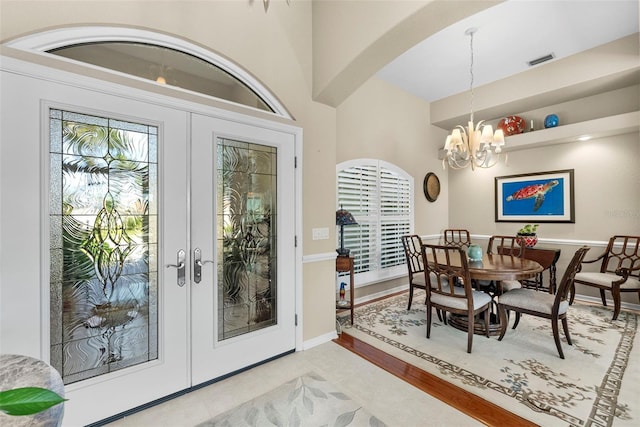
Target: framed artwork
535, 197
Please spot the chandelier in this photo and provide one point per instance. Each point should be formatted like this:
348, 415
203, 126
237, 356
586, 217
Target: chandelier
476, 145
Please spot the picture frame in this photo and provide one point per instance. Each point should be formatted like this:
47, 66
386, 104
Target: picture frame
535, 197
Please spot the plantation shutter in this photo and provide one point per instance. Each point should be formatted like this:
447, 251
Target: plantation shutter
379, 195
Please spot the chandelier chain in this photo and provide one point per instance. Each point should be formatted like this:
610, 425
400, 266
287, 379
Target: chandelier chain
476, 144
471, 73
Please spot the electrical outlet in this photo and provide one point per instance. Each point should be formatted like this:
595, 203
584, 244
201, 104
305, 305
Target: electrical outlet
320, 233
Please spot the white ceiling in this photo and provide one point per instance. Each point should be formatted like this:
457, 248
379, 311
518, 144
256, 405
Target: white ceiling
508, 36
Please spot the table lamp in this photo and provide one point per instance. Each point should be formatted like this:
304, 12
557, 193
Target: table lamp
343, 218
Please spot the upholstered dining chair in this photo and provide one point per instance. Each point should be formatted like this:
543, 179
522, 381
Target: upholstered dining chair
508, 245
542, 304
457, 237
449, 287
619, 271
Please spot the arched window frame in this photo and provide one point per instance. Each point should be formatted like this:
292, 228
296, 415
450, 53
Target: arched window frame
365, 187
62, 37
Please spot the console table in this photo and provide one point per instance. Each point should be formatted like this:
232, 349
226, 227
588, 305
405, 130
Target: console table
547, 258
345, 263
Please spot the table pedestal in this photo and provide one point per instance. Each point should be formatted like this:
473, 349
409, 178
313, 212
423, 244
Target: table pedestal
460, 322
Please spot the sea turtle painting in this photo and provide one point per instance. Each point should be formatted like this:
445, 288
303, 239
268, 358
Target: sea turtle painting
536, 191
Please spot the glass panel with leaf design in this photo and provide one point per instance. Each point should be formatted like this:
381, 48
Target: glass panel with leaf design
247, 240
103, 244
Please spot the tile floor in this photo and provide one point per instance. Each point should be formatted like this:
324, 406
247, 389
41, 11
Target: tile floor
390, 399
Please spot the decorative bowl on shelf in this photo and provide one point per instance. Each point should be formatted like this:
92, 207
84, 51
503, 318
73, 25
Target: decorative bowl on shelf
511, 125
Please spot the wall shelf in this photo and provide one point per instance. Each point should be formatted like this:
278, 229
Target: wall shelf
597, 128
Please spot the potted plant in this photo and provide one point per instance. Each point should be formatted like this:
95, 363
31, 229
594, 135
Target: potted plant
529, 235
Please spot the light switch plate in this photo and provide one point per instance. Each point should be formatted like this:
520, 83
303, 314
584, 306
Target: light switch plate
320, 233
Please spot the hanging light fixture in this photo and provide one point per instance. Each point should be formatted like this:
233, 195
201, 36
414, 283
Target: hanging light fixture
476, 145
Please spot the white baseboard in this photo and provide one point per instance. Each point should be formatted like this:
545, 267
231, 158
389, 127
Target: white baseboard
381, 294
598, 301
321, 339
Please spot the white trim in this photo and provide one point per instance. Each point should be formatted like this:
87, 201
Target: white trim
597, 301
381, 294
325, 256
52, 39
560, 242
321, 339
429, 237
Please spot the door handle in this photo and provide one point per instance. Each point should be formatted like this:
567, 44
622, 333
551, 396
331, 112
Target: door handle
197, 265
180, 266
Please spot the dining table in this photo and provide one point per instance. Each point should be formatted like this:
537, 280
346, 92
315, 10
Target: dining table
496, 268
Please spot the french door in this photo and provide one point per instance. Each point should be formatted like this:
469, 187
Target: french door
148, 250
242, 199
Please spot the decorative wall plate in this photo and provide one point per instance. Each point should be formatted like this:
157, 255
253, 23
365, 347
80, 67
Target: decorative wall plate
431, 187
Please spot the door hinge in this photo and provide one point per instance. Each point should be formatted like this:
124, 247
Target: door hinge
296, 320
295, 241
295, 162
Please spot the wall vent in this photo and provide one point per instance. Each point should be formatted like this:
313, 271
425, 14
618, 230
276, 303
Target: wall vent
540, 60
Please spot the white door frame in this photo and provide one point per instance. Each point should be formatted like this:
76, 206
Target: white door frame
46, 67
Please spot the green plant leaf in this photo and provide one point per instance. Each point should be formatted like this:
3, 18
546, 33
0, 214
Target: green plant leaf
28, 400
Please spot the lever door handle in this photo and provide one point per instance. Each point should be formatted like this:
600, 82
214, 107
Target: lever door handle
180, 266
197, 265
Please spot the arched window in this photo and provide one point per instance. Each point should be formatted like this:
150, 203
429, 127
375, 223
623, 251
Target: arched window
159, 57
380, 196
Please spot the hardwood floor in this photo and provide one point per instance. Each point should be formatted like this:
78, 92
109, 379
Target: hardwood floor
468, 403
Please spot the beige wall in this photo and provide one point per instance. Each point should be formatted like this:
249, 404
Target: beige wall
380, 121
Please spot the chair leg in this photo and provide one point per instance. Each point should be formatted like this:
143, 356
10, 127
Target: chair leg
410, 296
565, 327
504, 321
487, 316
615, 293
556, 336
429, 309
470, 327
604, 300
515, 324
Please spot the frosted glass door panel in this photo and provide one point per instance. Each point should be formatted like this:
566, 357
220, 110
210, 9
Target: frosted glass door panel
242, 213
247, 294
103, 217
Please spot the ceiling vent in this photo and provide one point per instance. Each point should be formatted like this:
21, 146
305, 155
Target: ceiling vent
542, 59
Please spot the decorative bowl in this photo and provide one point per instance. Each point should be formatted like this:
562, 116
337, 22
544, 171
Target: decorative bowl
511, 125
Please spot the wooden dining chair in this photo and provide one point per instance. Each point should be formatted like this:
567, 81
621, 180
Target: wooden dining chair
412, 245
449, 288
457, 237
619, 271
542, 304
506, 245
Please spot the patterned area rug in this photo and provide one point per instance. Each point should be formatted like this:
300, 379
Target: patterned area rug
597, 384
308, 400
